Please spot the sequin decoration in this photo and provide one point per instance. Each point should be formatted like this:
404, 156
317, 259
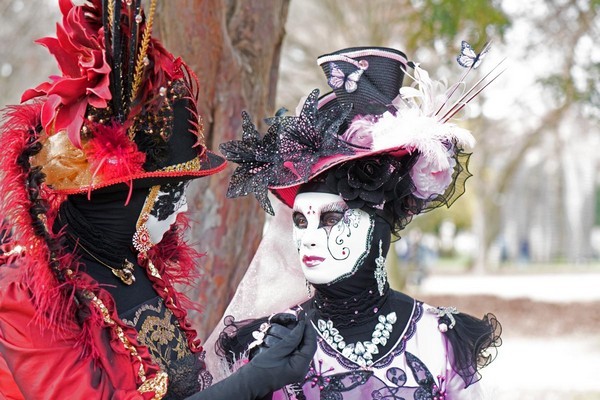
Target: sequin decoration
313, 135
260, 162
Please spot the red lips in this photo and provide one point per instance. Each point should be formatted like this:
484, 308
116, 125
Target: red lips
312, 261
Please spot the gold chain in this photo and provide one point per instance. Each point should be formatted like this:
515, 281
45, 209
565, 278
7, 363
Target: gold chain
125, 274
148, 206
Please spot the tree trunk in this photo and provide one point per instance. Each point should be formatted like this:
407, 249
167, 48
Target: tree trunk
234, 48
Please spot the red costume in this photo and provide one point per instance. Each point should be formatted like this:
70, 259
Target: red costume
93, 174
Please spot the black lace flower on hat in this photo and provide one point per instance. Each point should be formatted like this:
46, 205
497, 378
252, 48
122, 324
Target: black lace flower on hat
260, 163
312, 135
380, 183
363, 181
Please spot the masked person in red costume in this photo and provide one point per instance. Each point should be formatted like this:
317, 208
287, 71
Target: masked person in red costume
94, 166
355, 166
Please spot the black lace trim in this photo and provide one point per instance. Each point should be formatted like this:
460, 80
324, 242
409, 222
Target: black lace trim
170, 199
474, 344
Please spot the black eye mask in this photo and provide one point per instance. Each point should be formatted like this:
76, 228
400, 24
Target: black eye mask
170, 199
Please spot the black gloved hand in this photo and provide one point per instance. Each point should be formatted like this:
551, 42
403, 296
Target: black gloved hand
281, 325
285, 362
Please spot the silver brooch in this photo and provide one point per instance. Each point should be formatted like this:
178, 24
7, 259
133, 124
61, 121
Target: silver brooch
444, 312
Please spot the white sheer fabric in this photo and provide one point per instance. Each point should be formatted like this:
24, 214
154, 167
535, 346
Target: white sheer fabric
273, 281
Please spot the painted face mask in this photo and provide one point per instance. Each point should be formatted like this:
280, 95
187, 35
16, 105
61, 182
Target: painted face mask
162, 206
332, 239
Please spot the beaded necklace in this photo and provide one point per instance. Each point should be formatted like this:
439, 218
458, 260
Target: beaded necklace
360, 352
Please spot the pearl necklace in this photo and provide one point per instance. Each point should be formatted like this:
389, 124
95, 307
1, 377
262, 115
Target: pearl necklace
360, 352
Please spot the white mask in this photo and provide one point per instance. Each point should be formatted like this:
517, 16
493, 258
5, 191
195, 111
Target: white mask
169, 203
332, 240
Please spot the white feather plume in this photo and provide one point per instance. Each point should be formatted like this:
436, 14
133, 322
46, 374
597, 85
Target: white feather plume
415, 126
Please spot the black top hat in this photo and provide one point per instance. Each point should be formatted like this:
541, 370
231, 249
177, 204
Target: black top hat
369, 78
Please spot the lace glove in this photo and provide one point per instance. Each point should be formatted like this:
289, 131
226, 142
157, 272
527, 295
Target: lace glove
281, 364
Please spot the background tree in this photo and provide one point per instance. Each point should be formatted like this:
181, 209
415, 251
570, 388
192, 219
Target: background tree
535, 186
234, 46
23, 64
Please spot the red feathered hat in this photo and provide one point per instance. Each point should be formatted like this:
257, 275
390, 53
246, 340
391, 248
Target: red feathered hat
123, 111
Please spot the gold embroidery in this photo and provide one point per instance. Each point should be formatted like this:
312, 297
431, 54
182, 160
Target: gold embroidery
140, 65
159, 334
192, 165
158, 384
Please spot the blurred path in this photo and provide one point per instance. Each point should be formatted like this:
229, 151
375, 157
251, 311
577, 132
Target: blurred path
563, 368
551, 330
560, 287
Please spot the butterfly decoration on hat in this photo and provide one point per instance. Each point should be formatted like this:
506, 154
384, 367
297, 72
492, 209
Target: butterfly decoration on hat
349, 82
468, 58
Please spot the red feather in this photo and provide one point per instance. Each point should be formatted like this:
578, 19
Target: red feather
111, 154
177, 259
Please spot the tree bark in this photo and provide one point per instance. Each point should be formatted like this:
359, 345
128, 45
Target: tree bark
234, 48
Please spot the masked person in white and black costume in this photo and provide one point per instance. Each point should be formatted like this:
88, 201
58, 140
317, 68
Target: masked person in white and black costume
355, 166
94, 170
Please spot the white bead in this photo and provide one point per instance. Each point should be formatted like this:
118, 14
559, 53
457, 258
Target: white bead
360, 349
321, 325
371, 348
347, 352
391, 318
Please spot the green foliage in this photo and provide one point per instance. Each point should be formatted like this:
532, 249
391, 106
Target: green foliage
444, 20
460, 214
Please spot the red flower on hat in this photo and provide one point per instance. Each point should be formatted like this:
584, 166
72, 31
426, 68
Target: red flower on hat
79, 51
111, 154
